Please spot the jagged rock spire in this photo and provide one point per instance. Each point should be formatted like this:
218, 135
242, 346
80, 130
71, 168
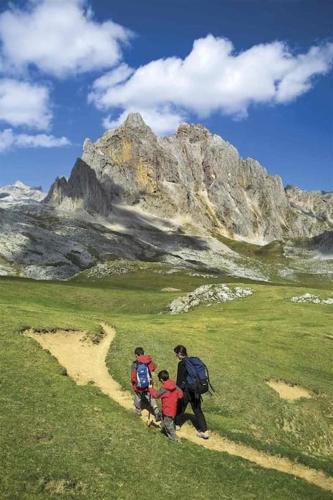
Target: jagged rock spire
135, 120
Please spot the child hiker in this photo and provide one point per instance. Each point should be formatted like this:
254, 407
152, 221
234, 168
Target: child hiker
169, 394
141, 379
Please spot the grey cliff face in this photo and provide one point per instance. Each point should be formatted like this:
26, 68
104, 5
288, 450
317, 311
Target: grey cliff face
313, 211
194, 177
82, 190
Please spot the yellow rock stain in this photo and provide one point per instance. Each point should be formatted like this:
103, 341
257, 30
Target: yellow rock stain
122, 153
145, 176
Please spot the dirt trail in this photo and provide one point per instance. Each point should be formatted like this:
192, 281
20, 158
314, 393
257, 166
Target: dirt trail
85, 362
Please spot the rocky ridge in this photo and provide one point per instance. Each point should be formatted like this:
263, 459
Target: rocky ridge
187, 200
195, 177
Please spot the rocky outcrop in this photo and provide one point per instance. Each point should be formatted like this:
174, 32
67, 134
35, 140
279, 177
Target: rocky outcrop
193, 177
208, 294
312, 299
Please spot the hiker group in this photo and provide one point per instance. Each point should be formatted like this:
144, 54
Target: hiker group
192, 381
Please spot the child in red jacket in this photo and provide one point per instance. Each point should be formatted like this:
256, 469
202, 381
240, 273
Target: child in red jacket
169, 394
141, 379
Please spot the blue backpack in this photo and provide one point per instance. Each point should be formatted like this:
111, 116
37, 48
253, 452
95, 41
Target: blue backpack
143, 376
197, 375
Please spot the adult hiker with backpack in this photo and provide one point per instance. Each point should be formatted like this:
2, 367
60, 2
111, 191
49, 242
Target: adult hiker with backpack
141, 379
193, 379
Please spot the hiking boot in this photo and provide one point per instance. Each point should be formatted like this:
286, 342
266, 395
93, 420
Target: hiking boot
203, 435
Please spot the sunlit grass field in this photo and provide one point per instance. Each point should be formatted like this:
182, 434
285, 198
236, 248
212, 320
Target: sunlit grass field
63, 440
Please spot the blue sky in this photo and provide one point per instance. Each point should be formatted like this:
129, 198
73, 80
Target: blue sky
258, 73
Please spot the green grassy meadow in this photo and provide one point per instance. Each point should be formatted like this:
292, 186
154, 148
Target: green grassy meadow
61, 440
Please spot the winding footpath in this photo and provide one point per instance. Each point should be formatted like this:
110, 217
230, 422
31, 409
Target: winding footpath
85, 363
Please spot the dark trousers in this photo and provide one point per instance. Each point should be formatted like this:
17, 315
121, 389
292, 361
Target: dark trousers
195, 402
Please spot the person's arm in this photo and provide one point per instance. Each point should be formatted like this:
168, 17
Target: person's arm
181, 375
152, 366
156, 394
133, 376
180, 393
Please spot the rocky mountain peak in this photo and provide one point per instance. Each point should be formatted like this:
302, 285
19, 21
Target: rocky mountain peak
20, 185
136, 122
195, 176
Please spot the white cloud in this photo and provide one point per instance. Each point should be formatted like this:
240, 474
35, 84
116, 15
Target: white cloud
23, 103
212, 78
118, 75
317, 61
8, 140
59, 37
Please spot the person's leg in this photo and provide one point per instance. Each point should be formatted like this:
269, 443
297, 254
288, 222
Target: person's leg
169, 428
152, 405
200, 417
137, 403
181, 407
163, 428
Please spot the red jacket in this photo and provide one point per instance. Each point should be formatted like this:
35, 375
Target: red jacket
147, 360
169, 394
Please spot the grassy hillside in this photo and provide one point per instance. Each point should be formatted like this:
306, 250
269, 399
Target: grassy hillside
59, 439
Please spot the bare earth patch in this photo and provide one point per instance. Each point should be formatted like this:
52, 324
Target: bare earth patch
289, 392
170, 289
85, 363
62, 487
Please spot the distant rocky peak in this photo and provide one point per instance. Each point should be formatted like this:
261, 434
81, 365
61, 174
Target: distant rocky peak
19, 193
21, 185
